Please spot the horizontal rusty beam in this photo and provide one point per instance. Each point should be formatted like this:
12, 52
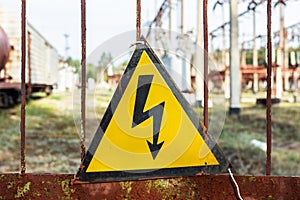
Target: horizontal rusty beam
58, 186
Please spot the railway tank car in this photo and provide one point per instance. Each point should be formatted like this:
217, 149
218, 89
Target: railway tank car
42, 60
4, 49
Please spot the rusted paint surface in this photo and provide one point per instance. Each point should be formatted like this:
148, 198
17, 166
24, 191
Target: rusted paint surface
50, 186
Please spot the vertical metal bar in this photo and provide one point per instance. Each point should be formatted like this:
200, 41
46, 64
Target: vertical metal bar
255, 58
182, 18
23, 86
269, 75
198, 61
205, 36
170, 19
29, 86
138, 20
235, 71
280, 55
83, 75
223, 36
295, 77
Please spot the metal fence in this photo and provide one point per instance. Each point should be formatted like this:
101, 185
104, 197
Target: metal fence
138, 37
121, 188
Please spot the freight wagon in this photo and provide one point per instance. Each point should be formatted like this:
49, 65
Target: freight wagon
42, 61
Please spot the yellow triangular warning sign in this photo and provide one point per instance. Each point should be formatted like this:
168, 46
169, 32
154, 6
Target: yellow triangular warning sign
148, 129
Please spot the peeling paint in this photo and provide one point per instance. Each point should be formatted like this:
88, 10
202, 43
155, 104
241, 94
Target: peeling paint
65, 187
159, 185
168, 188
126, 186
37, 194
10, 184
47, 192
252, 179
23, 190
148, 186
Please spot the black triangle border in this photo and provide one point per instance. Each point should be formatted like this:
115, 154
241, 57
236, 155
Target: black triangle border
93, 177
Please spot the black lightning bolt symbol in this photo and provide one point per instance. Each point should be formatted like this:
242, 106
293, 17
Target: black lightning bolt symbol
139, 115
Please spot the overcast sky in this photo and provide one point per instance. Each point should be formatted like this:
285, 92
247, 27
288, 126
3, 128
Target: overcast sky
105, 19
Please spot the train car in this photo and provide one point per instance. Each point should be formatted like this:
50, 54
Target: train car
4, 48
42, 61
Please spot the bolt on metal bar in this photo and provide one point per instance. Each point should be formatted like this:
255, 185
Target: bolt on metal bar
23, 87
205, 36
83, 76
269, 75
138, 20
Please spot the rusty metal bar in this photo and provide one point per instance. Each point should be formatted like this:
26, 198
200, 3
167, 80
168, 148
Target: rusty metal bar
50, 186
269, 89
83, 76
23, 87
205, 36
138, 20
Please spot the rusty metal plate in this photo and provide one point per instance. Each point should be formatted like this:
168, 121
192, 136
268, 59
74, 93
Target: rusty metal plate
58, 186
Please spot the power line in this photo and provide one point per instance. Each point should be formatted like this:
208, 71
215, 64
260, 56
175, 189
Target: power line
249, 9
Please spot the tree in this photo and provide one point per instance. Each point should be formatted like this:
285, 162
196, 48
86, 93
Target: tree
91, 70
105, 59
74, 63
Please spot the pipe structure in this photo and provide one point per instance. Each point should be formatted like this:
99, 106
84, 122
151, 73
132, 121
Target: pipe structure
235, 76
198, 61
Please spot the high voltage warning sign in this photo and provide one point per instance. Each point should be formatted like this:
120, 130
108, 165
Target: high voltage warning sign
149, 130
